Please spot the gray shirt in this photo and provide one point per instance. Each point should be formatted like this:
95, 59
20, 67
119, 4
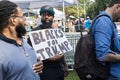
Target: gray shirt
14, 64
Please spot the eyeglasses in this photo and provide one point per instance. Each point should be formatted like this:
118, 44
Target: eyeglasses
19, 17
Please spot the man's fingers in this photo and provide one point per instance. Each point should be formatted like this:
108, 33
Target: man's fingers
38, 59
38, 66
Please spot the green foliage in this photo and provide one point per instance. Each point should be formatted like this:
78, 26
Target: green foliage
86, 8
72, 76
78, 10
73, 10
96, 7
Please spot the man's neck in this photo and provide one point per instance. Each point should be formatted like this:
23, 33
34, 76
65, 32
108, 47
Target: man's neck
110, 11
12, 35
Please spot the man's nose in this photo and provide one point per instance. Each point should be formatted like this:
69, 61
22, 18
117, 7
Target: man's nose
46, 15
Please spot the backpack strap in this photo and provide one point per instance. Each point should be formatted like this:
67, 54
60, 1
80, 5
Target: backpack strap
112, 38
97, 18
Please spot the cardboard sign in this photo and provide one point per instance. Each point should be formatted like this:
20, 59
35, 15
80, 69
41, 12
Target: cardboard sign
48, 42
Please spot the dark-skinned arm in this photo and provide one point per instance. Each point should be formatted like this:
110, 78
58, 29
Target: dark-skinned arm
112, 58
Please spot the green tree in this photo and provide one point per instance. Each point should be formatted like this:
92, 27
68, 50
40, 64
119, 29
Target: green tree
96, 7
81, 10
77, 10
73, 10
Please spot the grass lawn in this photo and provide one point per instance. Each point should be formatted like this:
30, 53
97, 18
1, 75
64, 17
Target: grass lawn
72, 76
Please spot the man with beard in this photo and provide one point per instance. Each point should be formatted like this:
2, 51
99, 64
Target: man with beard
17, 58
55, 68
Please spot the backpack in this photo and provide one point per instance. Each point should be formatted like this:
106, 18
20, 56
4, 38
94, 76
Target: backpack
85, 62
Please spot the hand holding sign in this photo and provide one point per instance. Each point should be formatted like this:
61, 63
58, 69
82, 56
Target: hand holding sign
56, 57
38, 66
48, 42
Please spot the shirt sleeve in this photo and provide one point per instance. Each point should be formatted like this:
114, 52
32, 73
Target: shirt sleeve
1, 72
103, 34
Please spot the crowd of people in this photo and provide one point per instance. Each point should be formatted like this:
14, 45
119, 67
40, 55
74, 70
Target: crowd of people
18, 60
77, 25
70, 25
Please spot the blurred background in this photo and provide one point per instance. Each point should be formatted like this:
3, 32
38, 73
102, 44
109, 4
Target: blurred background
72, 17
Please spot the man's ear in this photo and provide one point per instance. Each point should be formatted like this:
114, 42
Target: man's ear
13, 21
117, 6
114, 8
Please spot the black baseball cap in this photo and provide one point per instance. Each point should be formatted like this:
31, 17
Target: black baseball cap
47, 8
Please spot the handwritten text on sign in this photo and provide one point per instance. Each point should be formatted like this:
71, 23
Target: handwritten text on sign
48, 42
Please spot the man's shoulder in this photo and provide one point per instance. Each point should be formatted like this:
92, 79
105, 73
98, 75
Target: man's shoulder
104, 17
37, 28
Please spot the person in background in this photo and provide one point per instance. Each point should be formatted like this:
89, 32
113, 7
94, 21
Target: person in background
70, 25
87, 23
60, 24
108, 48
37, 20
17, 58
55, 24
55, 68
79, 25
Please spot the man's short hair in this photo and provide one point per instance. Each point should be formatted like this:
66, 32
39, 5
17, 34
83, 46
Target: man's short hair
7, 8
47, 8
112, 2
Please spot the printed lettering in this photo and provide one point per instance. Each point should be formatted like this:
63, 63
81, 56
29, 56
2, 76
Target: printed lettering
62, 47
66, 44
36, 38
61, 33
41, 37
48, 52
41, 52
54, 48
48, 35
56, 33
52, 34
53, 42
49, 44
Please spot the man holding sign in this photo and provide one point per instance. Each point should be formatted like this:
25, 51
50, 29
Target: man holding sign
55, 66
